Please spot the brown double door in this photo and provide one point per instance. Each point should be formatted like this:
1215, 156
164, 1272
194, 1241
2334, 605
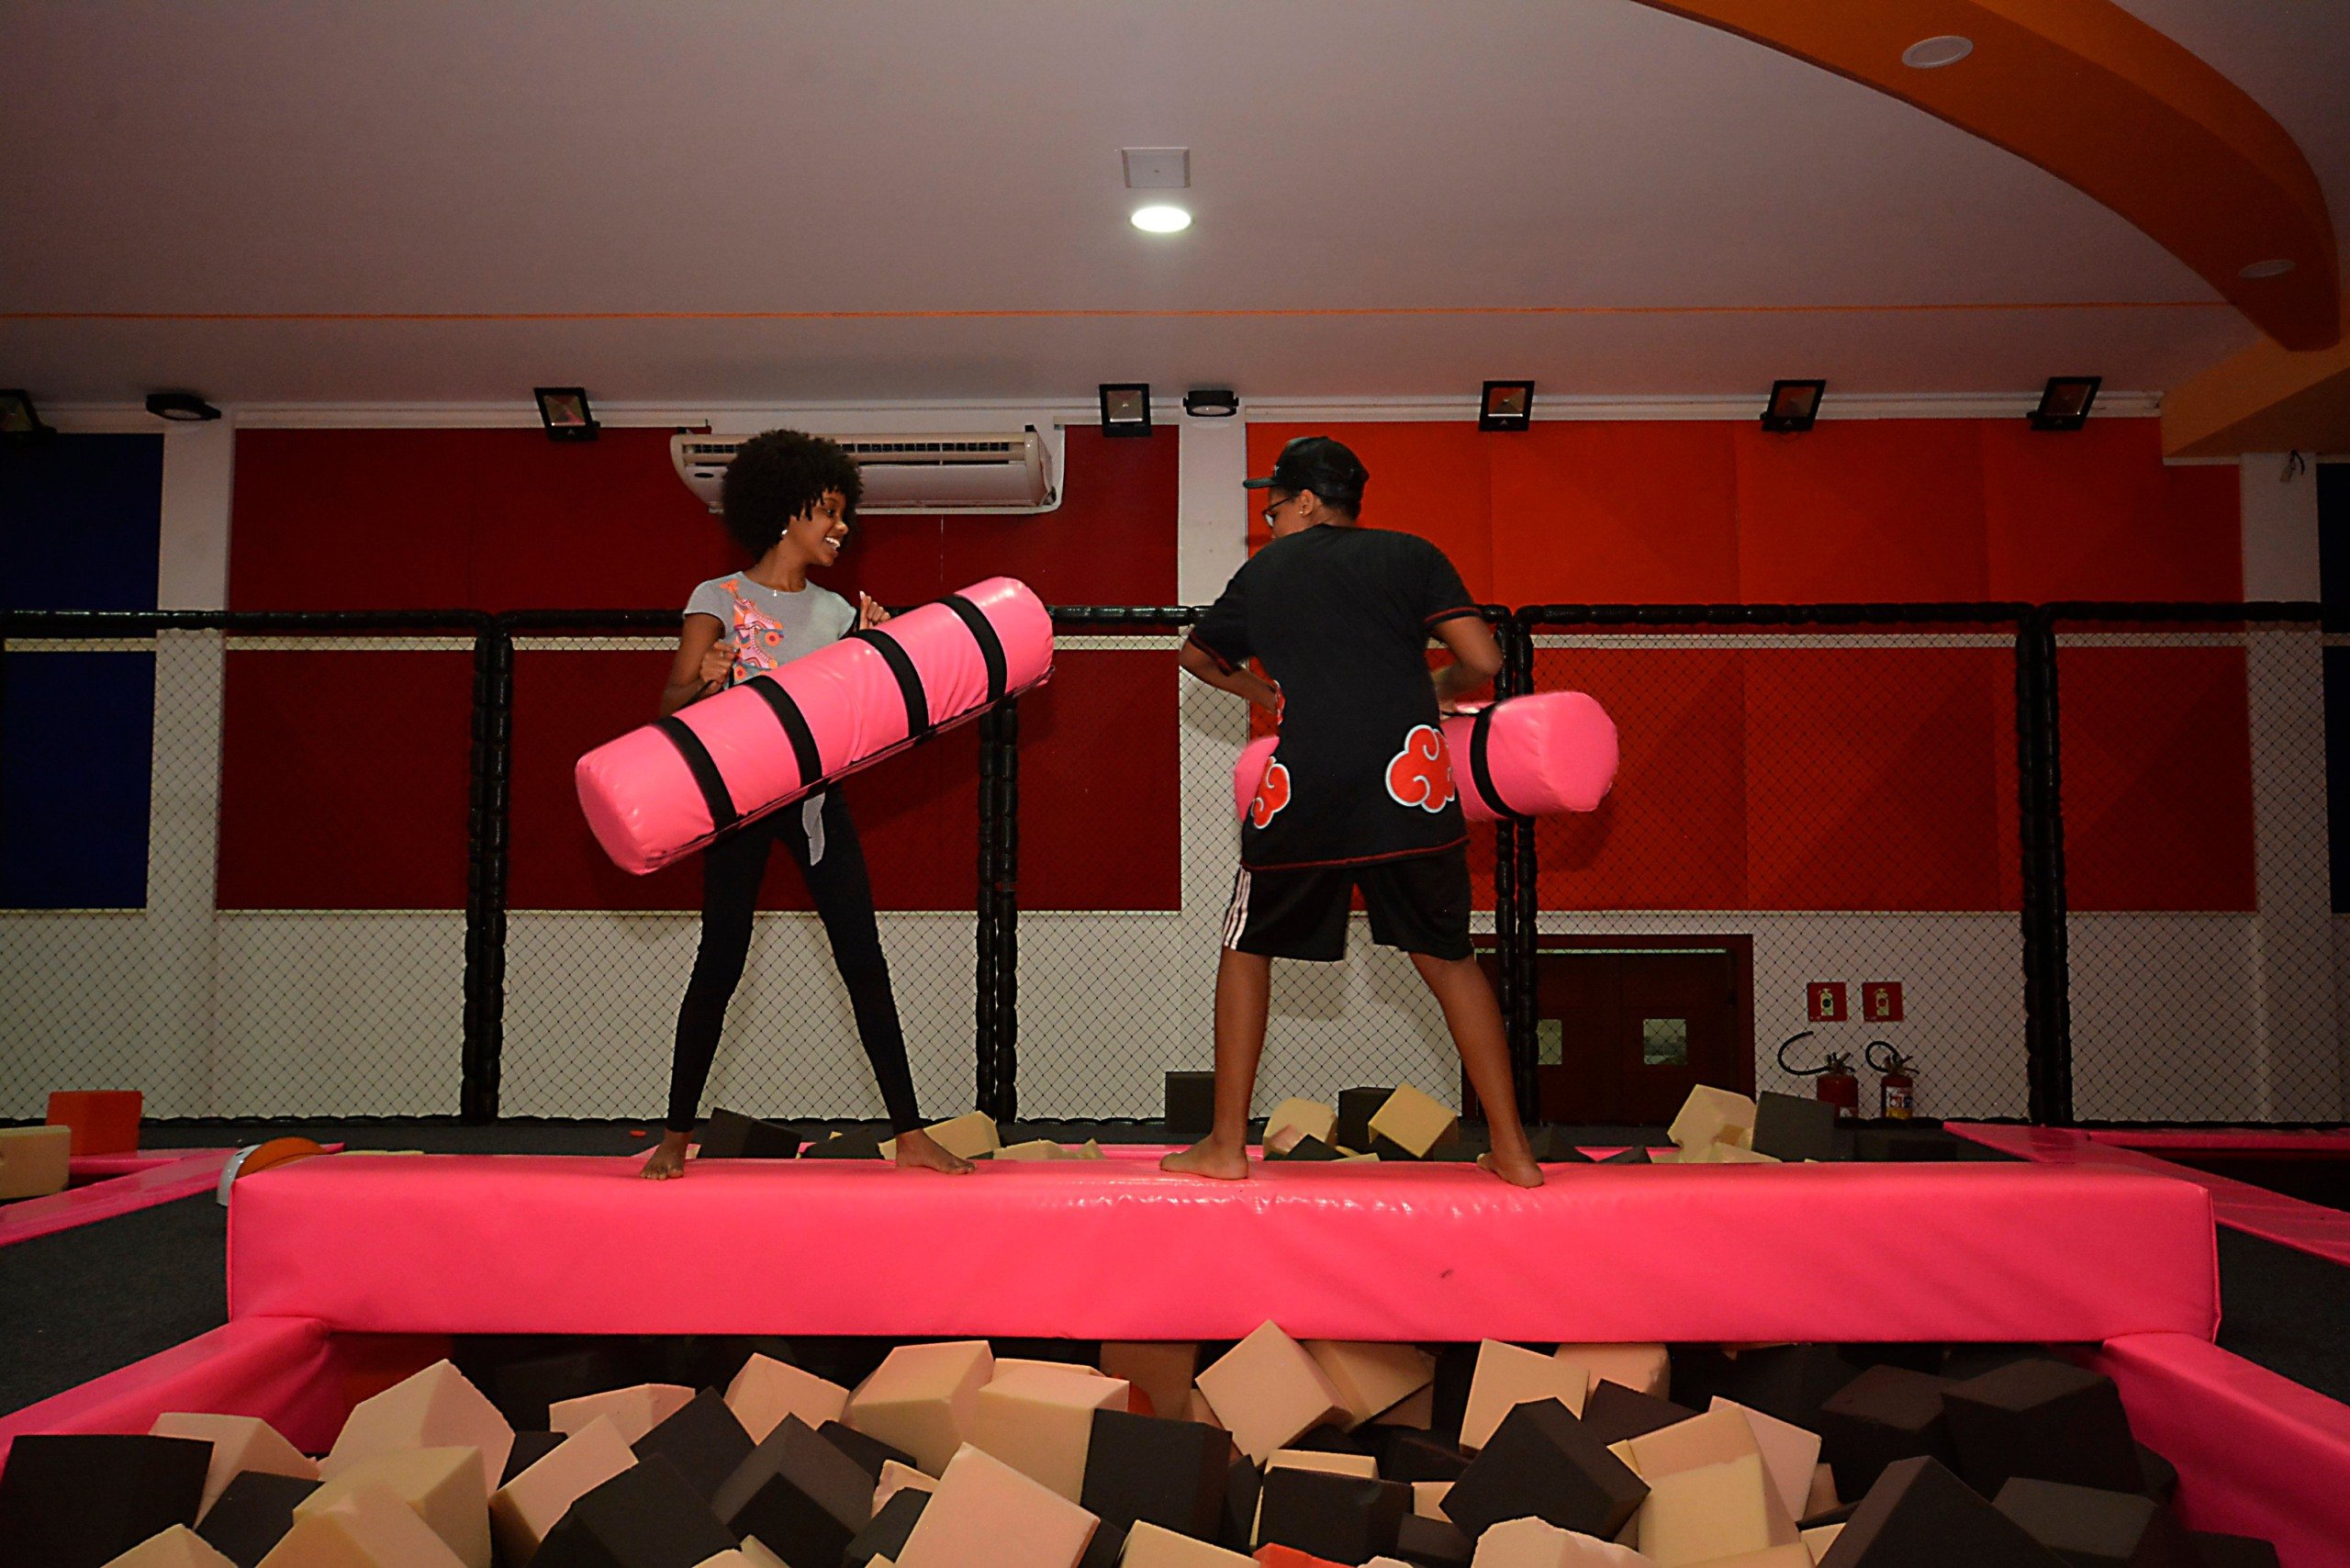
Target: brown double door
1626, 1027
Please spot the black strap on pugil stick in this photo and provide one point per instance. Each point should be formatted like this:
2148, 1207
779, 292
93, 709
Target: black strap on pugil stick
1479, 767
990, 645
909, 679
722, 814
795, 726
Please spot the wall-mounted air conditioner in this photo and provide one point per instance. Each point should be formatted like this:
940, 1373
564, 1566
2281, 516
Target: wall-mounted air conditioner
907, 472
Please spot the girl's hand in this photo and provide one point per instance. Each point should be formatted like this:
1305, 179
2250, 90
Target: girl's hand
869, 612
719, 662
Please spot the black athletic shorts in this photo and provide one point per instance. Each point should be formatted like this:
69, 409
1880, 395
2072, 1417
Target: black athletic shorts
1420, 904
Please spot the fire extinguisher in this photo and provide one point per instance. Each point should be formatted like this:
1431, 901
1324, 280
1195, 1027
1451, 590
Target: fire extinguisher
1897, 1089
1833, 1082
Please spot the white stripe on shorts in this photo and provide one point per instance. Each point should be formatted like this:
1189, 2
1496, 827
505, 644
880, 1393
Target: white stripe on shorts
1235, 919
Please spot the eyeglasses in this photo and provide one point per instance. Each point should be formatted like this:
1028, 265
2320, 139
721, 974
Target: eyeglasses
1267, 513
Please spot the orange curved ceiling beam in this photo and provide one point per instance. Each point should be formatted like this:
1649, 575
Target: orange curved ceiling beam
2111, 107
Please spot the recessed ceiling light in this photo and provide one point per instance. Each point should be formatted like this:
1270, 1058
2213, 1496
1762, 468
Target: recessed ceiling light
1929, 54
2277, 268
1161, 220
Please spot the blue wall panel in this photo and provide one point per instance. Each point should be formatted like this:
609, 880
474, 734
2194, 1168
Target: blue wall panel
80, 521
75, 734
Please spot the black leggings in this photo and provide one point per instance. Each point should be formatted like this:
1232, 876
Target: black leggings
732, 869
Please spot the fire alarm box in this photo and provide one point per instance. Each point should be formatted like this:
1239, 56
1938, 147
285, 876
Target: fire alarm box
1881, 1002
1824, 1001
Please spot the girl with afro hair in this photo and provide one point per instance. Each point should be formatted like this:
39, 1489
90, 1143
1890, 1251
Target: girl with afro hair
790, 501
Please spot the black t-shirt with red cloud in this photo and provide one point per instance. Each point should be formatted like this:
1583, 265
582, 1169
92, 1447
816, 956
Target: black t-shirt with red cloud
1341, 618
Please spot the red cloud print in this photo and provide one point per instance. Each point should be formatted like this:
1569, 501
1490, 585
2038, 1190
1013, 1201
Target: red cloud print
1421, 774
1272, 794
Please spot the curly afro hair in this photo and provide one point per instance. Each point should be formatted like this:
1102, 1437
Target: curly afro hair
776, 477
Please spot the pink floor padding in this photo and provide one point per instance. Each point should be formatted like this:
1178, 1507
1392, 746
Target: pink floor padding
2257, 1454
146, 1182
1119, 1250
2240, 1205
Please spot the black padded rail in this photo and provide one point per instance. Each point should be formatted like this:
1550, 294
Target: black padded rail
722, 814
1481, 766
909, 679
795, 726
990, 645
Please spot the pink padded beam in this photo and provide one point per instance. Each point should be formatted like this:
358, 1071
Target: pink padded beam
668, 789
1529, 756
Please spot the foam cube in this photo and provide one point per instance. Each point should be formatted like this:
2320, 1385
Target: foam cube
1427, 1497
526, 1507
1540, 1462
730, 1134
1792, 1555
987, 1515
1040, 1421
1822, 1497
1417, 1411
1372, 1376
1407, 1454
239, 1443
1819, 1538
2232, 1551
1164, 1473
1356, 1107
1712, 1115
1791, 1453
1791, 1382
1307, 1118
1300, 1146
767, 1390
1191, 1103
528, 1449
633, 1411
1034, 1150
437, 1407
1154, 1546
1535, 1543
1414, 1122
1887, 1413
896, 1478
98, 1121
1716, 1437
2094, 1528
443, 1486
702, 1439
76, 1500
1244, 1485
854, 1143
1613, 1413
886, 1533
253, 1514
1432, 1543
973, 1135
524, 1387
1794, 1127
750, 1555
800, 1495
872, 1455
35, 1162
1697, 1514
178, 1547
1343, 1517
1885, 1144
2049, 1421
1919, 1515
1508, 1375
921, 1398
647, 1517
367, 1528
1644, 1369
1161, 1370
1268, 1392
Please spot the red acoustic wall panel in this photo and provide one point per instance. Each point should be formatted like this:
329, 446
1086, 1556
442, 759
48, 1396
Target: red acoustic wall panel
1615, 513
1425, 478
2093, 513
1857, 511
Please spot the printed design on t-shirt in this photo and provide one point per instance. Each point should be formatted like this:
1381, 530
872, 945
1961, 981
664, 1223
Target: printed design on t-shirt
1272, 794
758, 641
1421, 774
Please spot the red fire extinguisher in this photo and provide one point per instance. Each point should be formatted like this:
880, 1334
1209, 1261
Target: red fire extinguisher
1833, 1082
1897, 1089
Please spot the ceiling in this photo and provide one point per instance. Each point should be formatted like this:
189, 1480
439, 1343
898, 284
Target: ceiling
920, 199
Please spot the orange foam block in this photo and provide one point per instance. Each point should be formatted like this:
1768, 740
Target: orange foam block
104, 1121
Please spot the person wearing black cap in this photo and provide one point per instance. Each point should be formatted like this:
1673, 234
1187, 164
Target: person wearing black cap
1358, 792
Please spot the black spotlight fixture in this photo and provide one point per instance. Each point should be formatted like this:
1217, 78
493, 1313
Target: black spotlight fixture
1211, 403
1506, 405
182, 407
564, 412
2065, 402
1794, 406
19, 420
1125, 407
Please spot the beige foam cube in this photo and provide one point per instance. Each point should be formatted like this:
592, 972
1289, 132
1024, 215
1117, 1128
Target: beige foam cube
1359, 1464
1372, 1376
1040, 1421
1822, 1496
1733, 1154
1715, 1437
1155, 1546
1162, 1369
920, 1400
238, 1443
1197, 1408
1819, 1538
35, 1162
1307, 1118
1016, 1363
525, 1509
1267, 1391
1711, 1116
179, 1547
750, 1555
987, 1515
1508, 1376
1640, 1368
434, 1408
1536, 1543
971, 1134
1791, 1453
1427, 1498
767, 1390
1415, 1121
1792, 1556
897, 1478
1035, 1148
1091, 1149
1713, 1510
635, 1411
1417, 1410
443, 1486
367, 1528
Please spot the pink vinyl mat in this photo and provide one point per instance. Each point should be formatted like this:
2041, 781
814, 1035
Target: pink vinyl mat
2240, 1205
1116, 1248
125, 1183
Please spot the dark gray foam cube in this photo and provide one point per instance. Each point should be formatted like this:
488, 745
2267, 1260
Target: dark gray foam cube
1242, 1488
886, 1535
869, 1453
730, 1134
856, 1143
1191, 1103
1885, 1413
647, 1517
1406, 1453
1356, 1108
1612, 1412
1307, 1148
703, 1439
1636, 1155
802, 1497
1919, 1515
2232, 1551
77, 1500
522, 1389
2093, 1528
1432, 1543
528, 1449
1344, 1518
1794, 1127
2050, 1420
253, 1514
1894, 1144
1791, 1382
1542, 1462
2159, 1476
1170, 1473
1555, 1145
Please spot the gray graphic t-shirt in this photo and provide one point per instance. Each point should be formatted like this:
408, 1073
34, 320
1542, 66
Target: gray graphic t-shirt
770, 627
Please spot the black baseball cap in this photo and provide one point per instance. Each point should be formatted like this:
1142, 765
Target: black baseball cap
1316, 463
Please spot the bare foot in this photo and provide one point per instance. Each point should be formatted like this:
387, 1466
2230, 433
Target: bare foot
1225, 1162
1519, 1173
668, 1160
917, 1150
